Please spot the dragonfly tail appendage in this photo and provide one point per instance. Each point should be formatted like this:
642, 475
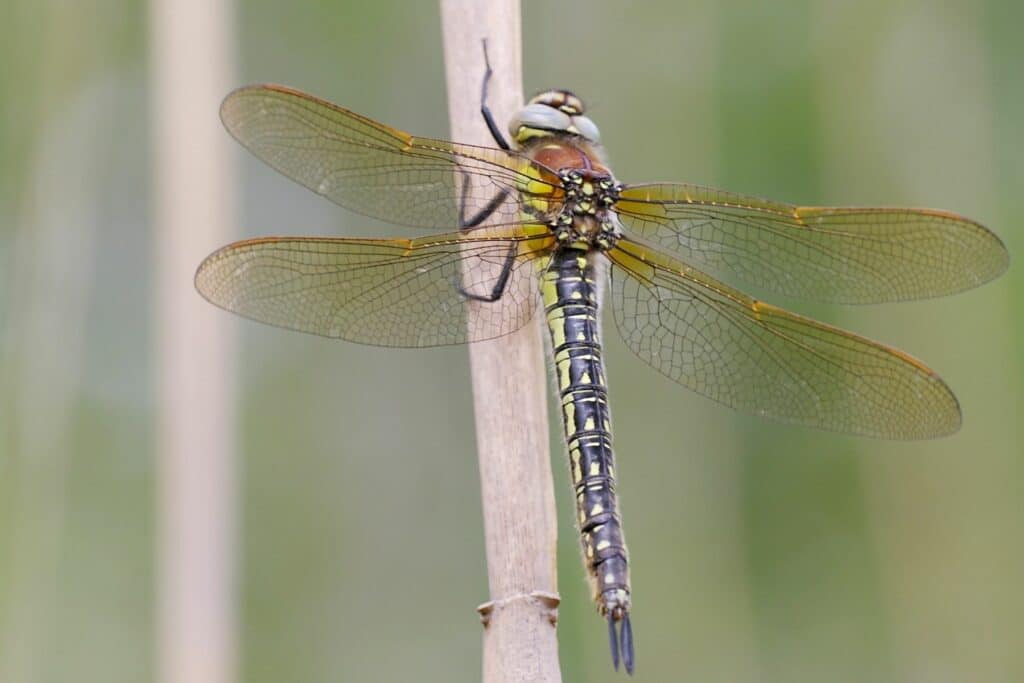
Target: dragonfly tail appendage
620, 640
628, 656
613, 641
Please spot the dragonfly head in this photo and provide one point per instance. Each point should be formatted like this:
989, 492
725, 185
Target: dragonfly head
552, 112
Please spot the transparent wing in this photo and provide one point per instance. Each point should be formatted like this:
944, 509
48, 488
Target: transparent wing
374, 169
846, 255
382, 292
767, 361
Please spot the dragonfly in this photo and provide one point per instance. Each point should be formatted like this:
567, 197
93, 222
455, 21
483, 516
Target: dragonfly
539, 225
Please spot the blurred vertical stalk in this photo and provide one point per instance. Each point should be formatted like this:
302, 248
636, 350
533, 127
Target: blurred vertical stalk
192, 61
509, 390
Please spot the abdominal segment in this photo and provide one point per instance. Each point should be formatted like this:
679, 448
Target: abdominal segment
571, 305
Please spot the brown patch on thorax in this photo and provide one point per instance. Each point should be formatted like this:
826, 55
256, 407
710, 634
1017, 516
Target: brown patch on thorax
566, 154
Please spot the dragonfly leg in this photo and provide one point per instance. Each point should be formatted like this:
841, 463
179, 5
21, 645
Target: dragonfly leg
499, 285
499, 139
481, 215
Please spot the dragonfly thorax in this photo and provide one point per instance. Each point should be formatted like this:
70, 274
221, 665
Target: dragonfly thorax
586, 215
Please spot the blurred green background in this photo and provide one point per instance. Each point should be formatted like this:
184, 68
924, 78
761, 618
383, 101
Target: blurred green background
762, 552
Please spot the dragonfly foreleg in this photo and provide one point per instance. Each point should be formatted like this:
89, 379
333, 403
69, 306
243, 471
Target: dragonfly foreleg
499, 139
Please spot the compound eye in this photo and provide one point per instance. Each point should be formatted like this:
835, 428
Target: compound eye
562, 100
586, 128
540, 116
571, 105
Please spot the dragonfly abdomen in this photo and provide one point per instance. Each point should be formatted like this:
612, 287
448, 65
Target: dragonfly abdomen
570, 296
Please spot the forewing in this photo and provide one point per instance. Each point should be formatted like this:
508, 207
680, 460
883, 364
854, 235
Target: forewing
383, 292
374, 169
845, 255
764, 360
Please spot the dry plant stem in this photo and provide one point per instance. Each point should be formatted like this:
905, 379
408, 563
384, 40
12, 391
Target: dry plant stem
509, 390
192, 50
